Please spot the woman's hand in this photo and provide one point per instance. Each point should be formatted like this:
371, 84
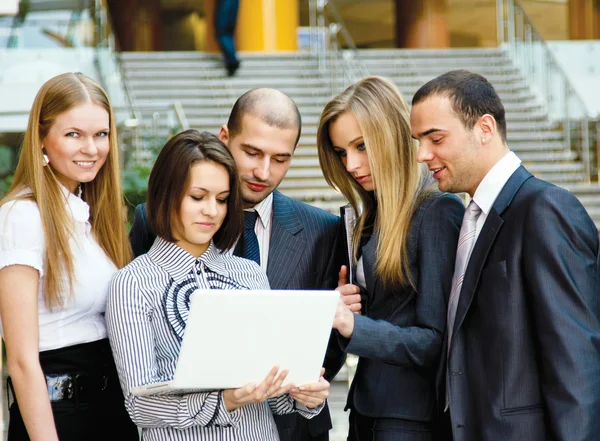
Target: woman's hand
270, 387
344, 319
314, 394
350, 294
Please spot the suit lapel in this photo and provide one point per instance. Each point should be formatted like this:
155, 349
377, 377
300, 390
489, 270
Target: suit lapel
286, 246
484, 243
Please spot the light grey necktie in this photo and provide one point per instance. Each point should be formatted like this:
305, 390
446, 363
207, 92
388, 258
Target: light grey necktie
466, 241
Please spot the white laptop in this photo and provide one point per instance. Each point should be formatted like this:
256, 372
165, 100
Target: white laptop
235, 337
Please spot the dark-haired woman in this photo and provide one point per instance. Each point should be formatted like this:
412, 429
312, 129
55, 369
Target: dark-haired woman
194, 206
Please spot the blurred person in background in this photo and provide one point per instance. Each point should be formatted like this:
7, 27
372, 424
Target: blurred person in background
226, 13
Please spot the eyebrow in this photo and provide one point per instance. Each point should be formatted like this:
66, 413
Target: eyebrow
351, 142
427, 132
80, 130
208, 191
282, 155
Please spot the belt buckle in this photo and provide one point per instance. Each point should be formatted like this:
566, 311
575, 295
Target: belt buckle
60, 387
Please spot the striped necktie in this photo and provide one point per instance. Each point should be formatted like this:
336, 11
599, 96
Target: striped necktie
247, 246
466, 241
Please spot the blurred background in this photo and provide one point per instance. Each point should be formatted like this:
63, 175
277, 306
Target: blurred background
161, 65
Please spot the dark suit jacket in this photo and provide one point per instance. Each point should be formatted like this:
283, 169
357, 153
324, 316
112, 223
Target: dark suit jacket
524, 360
399, 336
303, 254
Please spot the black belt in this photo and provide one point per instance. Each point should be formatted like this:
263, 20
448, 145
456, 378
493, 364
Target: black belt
74, 387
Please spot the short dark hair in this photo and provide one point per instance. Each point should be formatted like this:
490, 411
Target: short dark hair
271, 105
170, 177
471, 95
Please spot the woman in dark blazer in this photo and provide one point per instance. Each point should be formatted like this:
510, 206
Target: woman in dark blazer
403, 249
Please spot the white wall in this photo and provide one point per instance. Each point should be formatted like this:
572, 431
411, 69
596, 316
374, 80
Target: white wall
581, 62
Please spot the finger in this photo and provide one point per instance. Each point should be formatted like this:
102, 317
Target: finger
321, 385
260, 392
282, 390
351, 299
348, 289
244, 391
308, 398
274, 388
355, 307
322, 372
343, 275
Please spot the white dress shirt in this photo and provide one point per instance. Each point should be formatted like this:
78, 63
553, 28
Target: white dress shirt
147, 312
490, 186
22, 242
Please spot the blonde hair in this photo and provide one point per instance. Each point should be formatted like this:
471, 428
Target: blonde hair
103, 195
400, 182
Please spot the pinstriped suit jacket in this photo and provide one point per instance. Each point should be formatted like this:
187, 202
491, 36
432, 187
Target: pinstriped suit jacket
524, 360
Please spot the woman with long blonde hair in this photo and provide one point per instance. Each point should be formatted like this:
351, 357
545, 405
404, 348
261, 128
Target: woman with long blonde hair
62, 237
403, 246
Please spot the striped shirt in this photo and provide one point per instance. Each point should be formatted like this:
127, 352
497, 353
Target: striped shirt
146, 314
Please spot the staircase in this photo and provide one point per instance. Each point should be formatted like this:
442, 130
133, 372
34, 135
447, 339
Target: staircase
197, 81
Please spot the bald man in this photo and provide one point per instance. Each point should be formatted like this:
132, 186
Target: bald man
297, 242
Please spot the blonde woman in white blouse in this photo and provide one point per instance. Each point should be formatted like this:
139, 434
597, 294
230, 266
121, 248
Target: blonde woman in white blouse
61, 240
194, 206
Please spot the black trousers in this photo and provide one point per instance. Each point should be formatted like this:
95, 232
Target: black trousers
364, 428
99, 413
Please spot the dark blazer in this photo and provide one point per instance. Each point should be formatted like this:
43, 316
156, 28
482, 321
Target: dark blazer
399, 336
524, 359
303, 254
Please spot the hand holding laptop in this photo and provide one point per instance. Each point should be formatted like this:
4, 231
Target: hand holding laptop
270, 387
312, 395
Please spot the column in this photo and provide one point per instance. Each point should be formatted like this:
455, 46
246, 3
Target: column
262, 26
422, 24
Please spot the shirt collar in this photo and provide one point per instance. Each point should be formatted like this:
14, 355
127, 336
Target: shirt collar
178, 262
264, 209
493, 182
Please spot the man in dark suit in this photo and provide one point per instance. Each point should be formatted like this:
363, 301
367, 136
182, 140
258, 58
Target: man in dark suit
523, 344
297, 243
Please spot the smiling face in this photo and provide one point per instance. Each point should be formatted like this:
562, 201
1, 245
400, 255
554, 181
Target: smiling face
77, 144
203, 207
262, 155
347, 140
449, 149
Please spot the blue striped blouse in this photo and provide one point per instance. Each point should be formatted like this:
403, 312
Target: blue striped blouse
146, 314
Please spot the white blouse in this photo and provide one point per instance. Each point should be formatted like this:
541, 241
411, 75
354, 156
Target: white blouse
22, 242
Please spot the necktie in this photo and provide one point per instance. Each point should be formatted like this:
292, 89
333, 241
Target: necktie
247, 246
466, 241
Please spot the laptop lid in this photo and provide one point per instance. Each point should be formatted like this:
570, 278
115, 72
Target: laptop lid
234, 337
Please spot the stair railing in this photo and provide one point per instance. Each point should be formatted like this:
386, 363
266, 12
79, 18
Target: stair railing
333, 45
529, 51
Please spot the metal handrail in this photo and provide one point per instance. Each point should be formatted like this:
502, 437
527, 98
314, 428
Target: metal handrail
518, 36
326, 26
